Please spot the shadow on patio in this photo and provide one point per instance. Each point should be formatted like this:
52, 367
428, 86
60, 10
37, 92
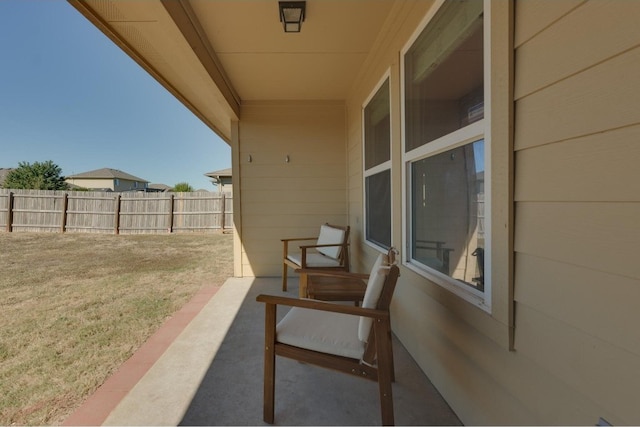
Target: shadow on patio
212, 375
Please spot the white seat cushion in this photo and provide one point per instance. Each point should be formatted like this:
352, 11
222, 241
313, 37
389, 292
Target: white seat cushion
375, 284
329, 235
314, 260
322, 331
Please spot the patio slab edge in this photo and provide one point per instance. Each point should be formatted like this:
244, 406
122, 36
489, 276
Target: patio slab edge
96, 409
167, 389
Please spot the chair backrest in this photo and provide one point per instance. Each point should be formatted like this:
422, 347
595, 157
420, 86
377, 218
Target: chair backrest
331, 234
373, 296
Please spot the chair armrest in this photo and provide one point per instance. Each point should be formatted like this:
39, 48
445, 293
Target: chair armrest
299, 238
323, 306
332, 273
327, 245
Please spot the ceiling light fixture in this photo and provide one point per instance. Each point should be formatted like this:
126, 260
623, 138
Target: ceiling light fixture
292, 15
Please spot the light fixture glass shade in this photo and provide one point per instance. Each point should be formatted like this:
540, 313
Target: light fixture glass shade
292, 15
292, 27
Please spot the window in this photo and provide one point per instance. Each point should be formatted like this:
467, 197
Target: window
377, 167
444, 150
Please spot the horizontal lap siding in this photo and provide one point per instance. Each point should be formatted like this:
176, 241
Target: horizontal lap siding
356, 214
598, 99
477, 378
596, 370
577, 226
581, 169
577, 192
534, 16
569, 46
599, 236
282, 199
573, 295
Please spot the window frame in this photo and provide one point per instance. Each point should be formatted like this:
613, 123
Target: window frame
382, 167
480, 129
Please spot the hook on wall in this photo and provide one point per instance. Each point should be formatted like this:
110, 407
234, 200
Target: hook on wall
286, 159
249, 159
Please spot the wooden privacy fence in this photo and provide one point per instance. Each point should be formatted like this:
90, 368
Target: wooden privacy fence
126, 213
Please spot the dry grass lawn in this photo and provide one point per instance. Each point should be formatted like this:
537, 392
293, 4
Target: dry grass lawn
73, 307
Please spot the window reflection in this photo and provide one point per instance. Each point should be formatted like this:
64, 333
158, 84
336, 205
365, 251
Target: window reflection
448, 213
378, 208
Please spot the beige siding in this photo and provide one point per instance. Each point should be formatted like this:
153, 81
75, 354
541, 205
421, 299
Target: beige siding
460, 347
92, 183
576, 353
101, 183
568, 44
573, 296
599, 236
580, 169
578, 204
282, 199
596, 370
579, 106
535, 16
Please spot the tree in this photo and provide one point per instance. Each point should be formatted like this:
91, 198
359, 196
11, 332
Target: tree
182, 187
36, 176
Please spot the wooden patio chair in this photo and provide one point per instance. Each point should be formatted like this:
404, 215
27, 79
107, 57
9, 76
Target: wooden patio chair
330, 251
353, 340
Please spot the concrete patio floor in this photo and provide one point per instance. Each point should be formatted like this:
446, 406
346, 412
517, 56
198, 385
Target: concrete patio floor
211, 374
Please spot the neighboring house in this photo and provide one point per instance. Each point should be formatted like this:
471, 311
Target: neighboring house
158, 188
107, 179
222, 180
381, 115
3, 175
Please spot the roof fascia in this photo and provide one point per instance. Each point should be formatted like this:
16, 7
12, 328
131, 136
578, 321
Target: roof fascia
106, 29
187, 22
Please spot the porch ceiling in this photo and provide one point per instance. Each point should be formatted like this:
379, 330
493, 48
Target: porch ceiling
213, 55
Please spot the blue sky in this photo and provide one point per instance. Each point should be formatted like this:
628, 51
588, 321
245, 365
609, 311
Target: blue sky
69, 95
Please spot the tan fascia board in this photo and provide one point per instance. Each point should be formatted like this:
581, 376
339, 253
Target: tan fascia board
185, 19
107, 30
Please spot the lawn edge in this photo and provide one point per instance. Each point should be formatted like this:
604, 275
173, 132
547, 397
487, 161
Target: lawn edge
98, 406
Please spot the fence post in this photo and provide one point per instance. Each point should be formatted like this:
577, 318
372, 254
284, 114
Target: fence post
65, 206
10, 213
170, 213
224, 205
116, 219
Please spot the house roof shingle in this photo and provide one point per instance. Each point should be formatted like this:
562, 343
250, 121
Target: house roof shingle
221, 172
159, 187
107, 173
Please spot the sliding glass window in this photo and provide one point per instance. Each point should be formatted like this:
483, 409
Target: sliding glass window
377, 167
444, 147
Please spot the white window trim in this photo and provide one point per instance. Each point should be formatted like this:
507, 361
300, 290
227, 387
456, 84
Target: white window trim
378, 168
478, 130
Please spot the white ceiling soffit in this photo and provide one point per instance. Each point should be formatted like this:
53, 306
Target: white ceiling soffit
214, 54
320, 62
